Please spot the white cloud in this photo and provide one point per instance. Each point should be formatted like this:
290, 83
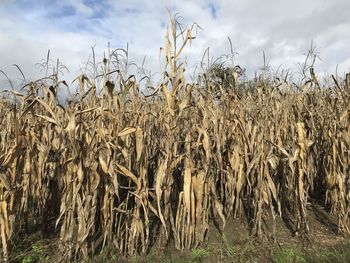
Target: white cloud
81, 8
283, 29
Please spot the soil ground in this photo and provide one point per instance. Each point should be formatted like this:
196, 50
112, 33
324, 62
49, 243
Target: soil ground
233, 244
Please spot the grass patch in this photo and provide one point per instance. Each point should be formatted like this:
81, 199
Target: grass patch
292, 255
37, 252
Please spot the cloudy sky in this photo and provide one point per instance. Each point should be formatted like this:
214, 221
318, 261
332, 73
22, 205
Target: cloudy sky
69, 28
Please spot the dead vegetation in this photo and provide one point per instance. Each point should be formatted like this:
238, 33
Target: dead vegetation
122, 168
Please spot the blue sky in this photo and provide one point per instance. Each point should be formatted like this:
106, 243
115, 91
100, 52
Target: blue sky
69, 28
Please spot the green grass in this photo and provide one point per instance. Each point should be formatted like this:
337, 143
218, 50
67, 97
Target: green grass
199, 255
297, 255
286, 255
38, 252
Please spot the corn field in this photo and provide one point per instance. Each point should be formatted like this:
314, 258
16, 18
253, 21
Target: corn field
117, 168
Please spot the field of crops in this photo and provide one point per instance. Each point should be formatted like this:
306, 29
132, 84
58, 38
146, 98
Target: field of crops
114, 167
